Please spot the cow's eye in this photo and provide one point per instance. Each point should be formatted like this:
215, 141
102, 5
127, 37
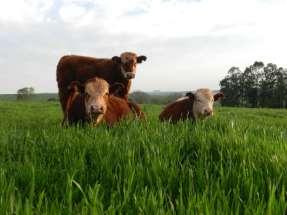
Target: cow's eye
87, 95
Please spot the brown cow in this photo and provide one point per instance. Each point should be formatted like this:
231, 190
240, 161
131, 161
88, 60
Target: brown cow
92, 103
198, 105
80, 68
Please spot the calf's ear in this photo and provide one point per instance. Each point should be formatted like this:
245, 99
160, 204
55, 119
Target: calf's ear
117, 89
141, 58
76, 86
116, 59
190, 95
218, 96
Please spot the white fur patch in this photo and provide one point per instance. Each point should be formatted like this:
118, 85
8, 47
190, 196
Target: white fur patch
123, 71
203, 103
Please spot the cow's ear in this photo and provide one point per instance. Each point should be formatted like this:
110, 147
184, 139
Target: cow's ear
218, 96
76, 86
141, 58
116, 59
117, 89
190, 95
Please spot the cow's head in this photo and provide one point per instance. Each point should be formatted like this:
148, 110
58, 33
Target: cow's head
203, 100
95, 92
128, 63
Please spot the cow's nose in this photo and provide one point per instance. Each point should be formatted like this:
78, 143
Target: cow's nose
97, 109
131, 75
207, 112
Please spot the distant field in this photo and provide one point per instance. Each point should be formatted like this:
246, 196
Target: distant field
36, 97
234, 163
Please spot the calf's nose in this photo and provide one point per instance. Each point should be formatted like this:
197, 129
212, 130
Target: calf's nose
207, 112
97, 109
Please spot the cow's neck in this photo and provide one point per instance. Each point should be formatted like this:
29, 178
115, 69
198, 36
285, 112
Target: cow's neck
126, 82
128, 87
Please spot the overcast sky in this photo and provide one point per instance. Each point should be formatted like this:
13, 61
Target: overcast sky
189, 43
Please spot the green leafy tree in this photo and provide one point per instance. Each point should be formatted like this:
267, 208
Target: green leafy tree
280, 91
232, 88
250, 84
267, 86
257, 86
140, 97
25, 93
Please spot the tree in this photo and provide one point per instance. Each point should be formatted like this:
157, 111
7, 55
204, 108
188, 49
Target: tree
280, 90
267, 85
145, 98
140, 97
25, 93
257, 86
250, 84
231, 87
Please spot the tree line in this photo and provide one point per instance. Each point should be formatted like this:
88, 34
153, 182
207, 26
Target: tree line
258, 85
146, 98
28, 94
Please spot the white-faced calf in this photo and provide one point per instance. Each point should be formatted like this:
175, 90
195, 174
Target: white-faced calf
198, 105
92, 103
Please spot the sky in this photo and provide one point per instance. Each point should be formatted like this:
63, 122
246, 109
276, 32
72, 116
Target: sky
189, 44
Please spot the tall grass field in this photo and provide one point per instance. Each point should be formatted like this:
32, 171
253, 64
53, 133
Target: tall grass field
233, 163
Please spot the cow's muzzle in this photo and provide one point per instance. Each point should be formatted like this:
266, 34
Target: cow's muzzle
95, 118
95, 113
130, 75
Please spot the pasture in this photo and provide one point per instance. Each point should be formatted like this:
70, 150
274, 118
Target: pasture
234, 163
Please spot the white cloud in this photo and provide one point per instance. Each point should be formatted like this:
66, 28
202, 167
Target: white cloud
189, 44
179, 18
24, 11
155, 18
72, 12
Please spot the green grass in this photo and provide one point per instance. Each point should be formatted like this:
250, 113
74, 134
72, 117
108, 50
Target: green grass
234, 163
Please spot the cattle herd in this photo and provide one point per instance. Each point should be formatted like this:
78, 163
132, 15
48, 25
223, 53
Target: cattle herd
95, 90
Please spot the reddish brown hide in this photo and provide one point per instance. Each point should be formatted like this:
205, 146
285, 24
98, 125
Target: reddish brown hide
116, 108
194, 106
80, 68
178, 110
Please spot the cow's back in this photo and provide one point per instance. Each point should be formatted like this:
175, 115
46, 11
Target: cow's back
178, 110
81, 68
117, 109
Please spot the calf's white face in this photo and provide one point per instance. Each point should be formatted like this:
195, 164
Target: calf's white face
96, 97
203, 103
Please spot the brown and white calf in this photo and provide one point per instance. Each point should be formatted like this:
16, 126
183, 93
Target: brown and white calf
194, 106
92, 103
118, 69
